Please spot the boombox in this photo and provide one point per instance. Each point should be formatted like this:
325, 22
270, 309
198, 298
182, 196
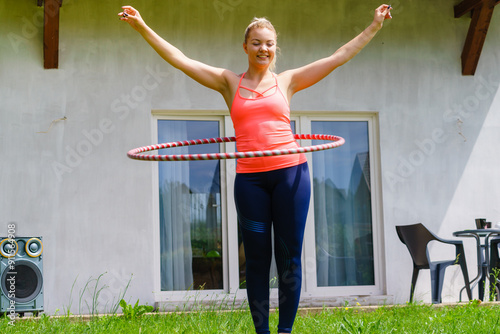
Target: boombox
21, 279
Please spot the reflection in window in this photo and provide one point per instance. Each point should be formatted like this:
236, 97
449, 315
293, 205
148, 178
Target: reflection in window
342, 207
190, 210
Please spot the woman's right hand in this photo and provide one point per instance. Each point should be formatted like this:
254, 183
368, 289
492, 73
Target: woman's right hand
132, 17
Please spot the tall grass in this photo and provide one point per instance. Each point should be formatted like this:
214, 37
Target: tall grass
411, 318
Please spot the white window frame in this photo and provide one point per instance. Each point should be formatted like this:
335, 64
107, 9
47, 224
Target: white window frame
229, 219
228, 212
310, 288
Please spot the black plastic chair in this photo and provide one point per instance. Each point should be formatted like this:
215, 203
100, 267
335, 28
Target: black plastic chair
416, 237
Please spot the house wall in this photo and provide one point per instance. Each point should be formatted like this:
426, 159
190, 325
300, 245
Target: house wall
70, 180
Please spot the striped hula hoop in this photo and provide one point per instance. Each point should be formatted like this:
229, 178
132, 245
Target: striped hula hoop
136, 153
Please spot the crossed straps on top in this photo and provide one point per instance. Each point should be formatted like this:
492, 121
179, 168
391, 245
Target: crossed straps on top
259, 95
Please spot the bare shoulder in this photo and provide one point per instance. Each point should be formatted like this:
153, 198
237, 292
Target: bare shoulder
285, 82
232, 80
231, 77
285, 77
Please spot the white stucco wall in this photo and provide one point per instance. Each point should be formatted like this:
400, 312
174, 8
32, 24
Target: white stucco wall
74, 185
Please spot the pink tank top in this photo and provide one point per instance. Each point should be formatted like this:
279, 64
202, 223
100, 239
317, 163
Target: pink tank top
263, 123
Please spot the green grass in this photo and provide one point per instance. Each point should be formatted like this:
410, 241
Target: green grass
411, 318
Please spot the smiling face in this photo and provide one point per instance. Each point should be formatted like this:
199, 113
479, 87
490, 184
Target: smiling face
260, 46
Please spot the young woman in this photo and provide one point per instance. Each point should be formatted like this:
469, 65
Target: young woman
270, 192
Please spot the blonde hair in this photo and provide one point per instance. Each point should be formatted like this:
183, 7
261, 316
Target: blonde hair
262, 22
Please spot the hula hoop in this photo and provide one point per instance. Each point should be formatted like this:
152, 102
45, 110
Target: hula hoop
136, 153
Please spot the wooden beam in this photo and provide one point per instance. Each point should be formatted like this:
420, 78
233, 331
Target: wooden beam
481, 17
39, 3
51, 33
466, 6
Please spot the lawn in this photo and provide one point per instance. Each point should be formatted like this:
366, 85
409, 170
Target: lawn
472, 317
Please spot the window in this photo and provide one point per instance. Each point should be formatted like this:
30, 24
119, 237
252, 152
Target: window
198, 240
342, 207
190, 210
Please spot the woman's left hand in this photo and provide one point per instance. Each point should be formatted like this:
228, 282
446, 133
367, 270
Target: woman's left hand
382, 13
132, 17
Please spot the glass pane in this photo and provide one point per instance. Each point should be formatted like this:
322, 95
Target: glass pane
342, 207
273, 276
190, 210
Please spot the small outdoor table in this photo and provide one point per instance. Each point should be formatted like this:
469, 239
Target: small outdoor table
483, 261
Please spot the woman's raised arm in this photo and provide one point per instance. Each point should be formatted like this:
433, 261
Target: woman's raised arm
310, 74
209, 76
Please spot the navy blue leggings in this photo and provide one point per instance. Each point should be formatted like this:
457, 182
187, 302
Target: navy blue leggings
277, 199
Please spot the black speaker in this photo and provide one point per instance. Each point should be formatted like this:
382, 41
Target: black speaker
21, 275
